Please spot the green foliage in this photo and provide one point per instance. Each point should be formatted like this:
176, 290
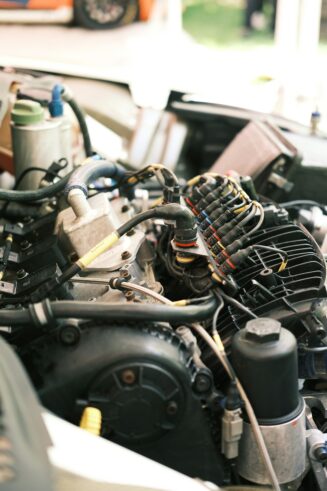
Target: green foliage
219, 23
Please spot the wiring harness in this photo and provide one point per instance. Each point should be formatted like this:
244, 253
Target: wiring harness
227, 218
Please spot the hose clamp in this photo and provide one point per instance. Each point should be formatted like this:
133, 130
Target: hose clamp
41, 314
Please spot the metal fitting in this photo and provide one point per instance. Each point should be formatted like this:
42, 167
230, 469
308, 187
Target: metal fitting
78, 201
317, 445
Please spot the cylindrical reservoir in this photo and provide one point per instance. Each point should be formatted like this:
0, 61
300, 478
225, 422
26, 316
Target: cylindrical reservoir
36, 142
286, 444
264, 356
66, 142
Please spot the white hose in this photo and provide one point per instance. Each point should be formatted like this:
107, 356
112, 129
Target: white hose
146, 291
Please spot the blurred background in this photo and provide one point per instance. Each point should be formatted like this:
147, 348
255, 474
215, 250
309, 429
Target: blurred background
266, 55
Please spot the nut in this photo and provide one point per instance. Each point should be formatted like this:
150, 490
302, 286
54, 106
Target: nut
263, 330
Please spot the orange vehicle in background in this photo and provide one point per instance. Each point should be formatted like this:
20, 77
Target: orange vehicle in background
93, 14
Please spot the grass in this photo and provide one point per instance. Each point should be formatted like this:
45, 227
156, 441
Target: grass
219, 24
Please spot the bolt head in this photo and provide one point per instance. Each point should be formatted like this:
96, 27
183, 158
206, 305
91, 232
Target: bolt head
321, 454
172, 408
128, 377
129, 295
69, 335
202, 383
263, 330
124, 273
126, 255
25, 245
21, 273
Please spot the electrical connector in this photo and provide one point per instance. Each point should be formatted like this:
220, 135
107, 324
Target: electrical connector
235, 246
232, 423
235, 261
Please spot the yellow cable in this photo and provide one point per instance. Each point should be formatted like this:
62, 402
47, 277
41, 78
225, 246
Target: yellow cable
193, 181
245, 195
215, 277
98, 249
213, 174
91, 420
239, 210
157, 202
218, 341
132, 180
184, 260
180, 303
282, 266
147, 169
156, 166
230, 188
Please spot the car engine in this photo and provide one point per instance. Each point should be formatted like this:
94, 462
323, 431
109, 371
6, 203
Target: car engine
189, 327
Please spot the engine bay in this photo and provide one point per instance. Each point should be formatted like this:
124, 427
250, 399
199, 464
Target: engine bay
182, 317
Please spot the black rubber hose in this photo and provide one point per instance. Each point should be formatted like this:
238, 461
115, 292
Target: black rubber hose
136, 312
14, 317
38, 194
181, 215
15, 211
93, 170
116, 312
83, 126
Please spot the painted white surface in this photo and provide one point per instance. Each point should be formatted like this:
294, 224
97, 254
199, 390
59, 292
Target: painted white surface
79, 452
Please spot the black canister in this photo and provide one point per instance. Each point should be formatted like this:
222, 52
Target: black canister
264, 356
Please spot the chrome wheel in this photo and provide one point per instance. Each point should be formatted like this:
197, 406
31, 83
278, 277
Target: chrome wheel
105, 11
